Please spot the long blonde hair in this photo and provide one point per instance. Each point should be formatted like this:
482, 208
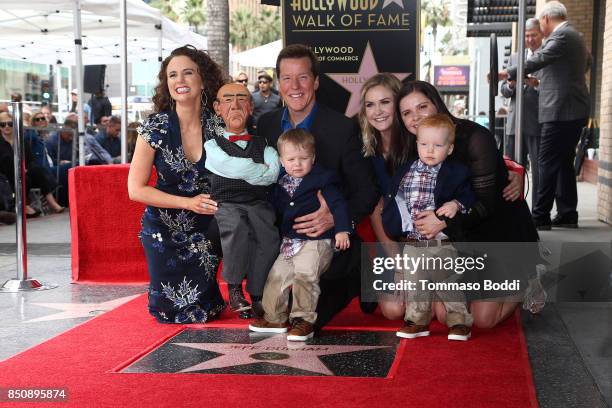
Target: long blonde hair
371, 137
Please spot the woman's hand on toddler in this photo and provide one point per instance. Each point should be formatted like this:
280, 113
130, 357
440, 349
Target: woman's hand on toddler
342, 240
512, 191
448, 209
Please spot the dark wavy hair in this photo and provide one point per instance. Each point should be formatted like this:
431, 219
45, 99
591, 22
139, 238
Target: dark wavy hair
429, 91
209, 70
432, 94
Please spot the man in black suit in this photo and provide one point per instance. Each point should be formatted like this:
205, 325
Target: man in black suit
531, 93
338, 148
563, 112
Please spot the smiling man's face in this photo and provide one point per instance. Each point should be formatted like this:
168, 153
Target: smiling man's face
297, 86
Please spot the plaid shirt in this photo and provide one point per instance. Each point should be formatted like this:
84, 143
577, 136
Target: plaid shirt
290, 246
417, 191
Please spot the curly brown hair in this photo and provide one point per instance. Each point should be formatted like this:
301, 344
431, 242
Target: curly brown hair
210, 72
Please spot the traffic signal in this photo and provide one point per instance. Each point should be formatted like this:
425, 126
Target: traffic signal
495, 16
507, 50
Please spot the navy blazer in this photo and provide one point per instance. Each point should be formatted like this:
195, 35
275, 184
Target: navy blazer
305, 201
453, 183
338, 148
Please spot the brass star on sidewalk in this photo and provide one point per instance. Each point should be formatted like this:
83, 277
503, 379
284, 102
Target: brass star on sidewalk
76, 310
275, 350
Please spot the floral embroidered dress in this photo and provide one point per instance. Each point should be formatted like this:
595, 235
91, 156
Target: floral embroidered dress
181, 256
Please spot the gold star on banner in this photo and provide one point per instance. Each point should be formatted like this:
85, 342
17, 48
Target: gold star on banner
289, 354
77, 310
354, 82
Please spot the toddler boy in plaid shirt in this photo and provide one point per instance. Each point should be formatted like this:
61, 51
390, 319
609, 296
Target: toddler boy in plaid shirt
302, 259
430, 183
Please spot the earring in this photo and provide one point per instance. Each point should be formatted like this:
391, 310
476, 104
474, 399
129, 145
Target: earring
172, 104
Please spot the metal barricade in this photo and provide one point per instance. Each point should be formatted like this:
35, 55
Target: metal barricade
22, 282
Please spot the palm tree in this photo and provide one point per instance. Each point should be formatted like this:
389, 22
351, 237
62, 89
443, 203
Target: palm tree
166, 7
248, 30
194, 13
217, 31
269, 26
242, 29
436, 15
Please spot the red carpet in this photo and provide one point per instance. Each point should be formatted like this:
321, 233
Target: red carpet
491, 370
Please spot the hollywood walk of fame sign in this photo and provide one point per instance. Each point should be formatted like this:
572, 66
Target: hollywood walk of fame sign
237, 351
354, 40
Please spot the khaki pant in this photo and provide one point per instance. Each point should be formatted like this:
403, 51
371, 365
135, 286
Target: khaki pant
303, 271
418, 302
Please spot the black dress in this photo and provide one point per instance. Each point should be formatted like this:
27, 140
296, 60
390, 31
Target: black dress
491, 219
181, 247
503, 229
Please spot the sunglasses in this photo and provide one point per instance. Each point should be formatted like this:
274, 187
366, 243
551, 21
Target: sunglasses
242, 81
5, 124
264, 82
40, 119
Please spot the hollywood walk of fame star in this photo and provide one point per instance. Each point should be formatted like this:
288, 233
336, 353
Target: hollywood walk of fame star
354, 82
275, 350
76, 310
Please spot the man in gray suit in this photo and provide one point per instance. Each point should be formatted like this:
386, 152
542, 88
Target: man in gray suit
531, 126
563, 112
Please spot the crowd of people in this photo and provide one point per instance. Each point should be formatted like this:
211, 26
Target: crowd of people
276, 183
51, 150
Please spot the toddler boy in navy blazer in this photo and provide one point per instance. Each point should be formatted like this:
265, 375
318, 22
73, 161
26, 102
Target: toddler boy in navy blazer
302, 260
430, 183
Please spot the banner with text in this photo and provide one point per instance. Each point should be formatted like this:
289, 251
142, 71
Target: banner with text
354, 40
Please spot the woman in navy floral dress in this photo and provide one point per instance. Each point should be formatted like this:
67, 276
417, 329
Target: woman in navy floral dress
179, 234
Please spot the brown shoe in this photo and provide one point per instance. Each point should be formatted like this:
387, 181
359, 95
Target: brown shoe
264, 326
412, 330
301, 330
459, 332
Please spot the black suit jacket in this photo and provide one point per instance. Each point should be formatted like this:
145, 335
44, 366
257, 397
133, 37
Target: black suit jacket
338, 148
